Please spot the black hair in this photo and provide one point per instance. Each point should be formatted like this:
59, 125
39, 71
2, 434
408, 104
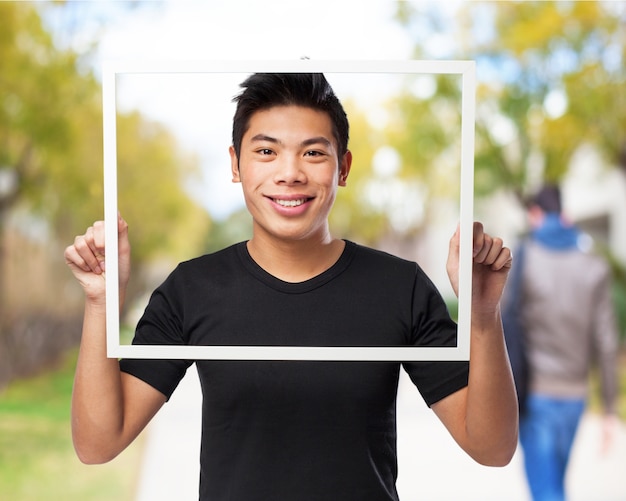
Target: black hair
548, 198
311, 90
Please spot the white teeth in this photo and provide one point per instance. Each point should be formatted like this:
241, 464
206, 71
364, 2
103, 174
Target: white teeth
290, 203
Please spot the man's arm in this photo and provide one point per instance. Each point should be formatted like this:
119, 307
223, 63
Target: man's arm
483, 417
109, 408
606, 348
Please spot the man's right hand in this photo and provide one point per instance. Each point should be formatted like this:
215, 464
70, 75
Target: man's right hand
86, 260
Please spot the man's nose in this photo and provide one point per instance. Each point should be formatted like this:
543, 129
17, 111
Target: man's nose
289, 170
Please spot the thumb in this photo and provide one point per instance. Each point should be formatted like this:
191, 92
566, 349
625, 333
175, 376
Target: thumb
454, 245
452, 264
122, 231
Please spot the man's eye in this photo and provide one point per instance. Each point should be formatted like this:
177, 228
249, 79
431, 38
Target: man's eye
313, 153
264, 151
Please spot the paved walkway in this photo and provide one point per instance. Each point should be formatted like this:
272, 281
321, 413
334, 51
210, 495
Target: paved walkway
432, 467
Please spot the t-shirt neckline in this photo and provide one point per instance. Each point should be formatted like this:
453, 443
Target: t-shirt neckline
296, 287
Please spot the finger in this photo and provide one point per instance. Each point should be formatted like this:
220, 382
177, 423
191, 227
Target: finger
503, 260
122, 231
478, 238
492, 250
454, 241
98, 236
91, 257
122, 225
90, 240
98, 243
81, 259
482, 252
72, 258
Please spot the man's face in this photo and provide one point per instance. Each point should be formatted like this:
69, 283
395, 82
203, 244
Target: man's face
290, 169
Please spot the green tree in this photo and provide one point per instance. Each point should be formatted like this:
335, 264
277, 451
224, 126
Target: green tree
51, 146
36, 93
354, 216
165, 222
529, 53
425, 130
400, 165
50, 129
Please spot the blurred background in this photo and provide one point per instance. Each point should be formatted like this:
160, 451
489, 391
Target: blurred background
550, 107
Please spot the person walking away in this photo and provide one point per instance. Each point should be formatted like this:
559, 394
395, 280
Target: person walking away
568, 317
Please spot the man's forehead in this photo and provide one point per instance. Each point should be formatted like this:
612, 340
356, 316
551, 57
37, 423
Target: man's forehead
272, 123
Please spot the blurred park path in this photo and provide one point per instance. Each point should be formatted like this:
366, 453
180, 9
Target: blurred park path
431, 466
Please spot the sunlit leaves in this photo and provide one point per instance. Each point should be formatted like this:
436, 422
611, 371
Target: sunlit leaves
164, 220
551, 75
353, 216
51, 137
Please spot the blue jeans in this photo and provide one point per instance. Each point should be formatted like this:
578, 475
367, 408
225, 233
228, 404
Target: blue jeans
547, 431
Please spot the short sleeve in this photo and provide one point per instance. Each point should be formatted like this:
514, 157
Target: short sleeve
433, 326
161, 324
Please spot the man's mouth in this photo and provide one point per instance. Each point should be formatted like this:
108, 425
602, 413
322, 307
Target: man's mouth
290, 203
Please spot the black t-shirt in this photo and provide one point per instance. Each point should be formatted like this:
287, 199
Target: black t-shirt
283, 430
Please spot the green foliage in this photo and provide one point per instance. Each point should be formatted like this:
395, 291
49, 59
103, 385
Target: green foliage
527, 52
548, 47
237, 227
353, 216
422, 130
35, 94
51, 136
601, 113
163, 220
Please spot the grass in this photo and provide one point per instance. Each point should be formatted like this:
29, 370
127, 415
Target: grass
37, 459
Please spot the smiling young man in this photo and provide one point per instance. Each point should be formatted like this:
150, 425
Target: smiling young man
289, 165
277, 430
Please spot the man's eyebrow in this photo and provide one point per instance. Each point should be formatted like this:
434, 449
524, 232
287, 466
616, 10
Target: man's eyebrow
317, 140
307, 142
264, 137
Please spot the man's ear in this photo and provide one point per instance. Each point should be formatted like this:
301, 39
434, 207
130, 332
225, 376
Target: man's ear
234, 165
344, 168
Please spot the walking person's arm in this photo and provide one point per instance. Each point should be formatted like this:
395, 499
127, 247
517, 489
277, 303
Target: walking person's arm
606, 349
109, 407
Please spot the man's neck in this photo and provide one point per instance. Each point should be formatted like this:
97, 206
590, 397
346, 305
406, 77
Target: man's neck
295, 261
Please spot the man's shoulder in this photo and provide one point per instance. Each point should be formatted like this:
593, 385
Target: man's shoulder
224, 254
378, 258
213, 263
587, 260
374, 253
595, 263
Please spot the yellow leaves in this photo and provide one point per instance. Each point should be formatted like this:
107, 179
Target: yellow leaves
526, 28
529, 25
352, 216
152, 171
51, 132
558, 140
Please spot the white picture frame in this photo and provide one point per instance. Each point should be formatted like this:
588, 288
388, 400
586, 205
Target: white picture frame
465, 69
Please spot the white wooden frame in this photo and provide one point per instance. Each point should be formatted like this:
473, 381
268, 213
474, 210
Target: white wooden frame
466, 69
